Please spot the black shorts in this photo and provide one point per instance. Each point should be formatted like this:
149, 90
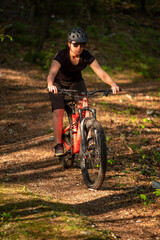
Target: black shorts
57, 100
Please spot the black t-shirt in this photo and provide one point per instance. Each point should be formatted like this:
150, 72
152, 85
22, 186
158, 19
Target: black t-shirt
68, 72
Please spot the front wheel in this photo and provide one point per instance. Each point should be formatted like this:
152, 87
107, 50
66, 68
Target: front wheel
94, 159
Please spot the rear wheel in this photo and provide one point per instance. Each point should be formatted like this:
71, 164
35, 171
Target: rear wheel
67, 159
94, 160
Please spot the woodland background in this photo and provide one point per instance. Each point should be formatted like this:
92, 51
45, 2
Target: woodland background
38, 199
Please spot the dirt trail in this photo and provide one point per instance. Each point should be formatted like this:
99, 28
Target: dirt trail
27, 157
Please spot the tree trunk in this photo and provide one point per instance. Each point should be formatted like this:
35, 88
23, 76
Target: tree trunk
45, 20
43, 33
143, 5
45, 13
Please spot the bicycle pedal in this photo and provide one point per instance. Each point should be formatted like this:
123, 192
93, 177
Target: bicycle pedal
58, 155
64, 154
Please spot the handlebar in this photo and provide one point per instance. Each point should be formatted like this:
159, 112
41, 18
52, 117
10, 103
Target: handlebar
72, 93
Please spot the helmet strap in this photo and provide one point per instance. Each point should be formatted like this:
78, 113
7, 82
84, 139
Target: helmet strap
74, 56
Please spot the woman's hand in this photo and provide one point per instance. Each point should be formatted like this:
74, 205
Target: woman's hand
52, 88
114, 88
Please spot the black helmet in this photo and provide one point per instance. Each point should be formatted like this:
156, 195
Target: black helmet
77, 35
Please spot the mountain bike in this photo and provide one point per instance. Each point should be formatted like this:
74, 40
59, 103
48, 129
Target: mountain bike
83, 134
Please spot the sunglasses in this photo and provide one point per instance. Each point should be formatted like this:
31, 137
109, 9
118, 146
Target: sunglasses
79, 44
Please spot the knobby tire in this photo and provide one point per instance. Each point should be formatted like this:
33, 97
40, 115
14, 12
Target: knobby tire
94, 161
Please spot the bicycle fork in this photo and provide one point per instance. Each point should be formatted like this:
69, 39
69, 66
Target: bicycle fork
82, 124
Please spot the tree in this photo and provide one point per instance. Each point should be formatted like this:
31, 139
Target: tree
2, 32
43, 10
143, 5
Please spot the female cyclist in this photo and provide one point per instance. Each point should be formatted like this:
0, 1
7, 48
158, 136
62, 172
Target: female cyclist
65, 72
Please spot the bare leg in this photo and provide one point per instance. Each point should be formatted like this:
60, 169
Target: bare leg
57, 122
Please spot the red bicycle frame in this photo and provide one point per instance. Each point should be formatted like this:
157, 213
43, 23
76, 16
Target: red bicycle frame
75, 126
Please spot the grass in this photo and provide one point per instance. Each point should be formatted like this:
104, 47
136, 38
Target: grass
24, 215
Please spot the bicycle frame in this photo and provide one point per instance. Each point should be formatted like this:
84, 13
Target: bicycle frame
78, 119
75, 126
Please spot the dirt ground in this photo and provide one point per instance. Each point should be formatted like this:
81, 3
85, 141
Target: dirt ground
131, 123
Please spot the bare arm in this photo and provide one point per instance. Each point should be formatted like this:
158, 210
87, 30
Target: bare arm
55, 66
104, 76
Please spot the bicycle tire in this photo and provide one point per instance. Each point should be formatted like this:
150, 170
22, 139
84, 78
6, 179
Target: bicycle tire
94, 161
68, 159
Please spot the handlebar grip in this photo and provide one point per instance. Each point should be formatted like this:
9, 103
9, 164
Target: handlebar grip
120, 89
47, 89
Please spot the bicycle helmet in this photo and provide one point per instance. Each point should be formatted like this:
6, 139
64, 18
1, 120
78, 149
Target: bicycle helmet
77, 35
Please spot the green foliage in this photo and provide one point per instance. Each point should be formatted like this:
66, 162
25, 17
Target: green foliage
142, 157
2, 30
58, 31
157, 192
21, 28
3, 36
23, 34
136, 133
130, 110
97, 165
104, 103
107, 69
133, 44
146, 120
156, 156
50, 131
142, 59
134, 147
5, 216
92, 31
145, 199
45, 58
108, 138
111, 161
37, 218
137, 51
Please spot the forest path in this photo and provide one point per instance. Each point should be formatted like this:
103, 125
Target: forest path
133, 139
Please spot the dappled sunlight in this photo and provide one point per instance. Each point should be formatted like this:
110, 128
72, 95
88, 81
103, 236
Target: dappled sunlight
24, 77
39, 199
14, 76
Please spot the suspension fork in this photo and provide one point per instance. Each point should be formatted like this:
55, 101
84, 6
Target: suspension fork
82, 124
76, 119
